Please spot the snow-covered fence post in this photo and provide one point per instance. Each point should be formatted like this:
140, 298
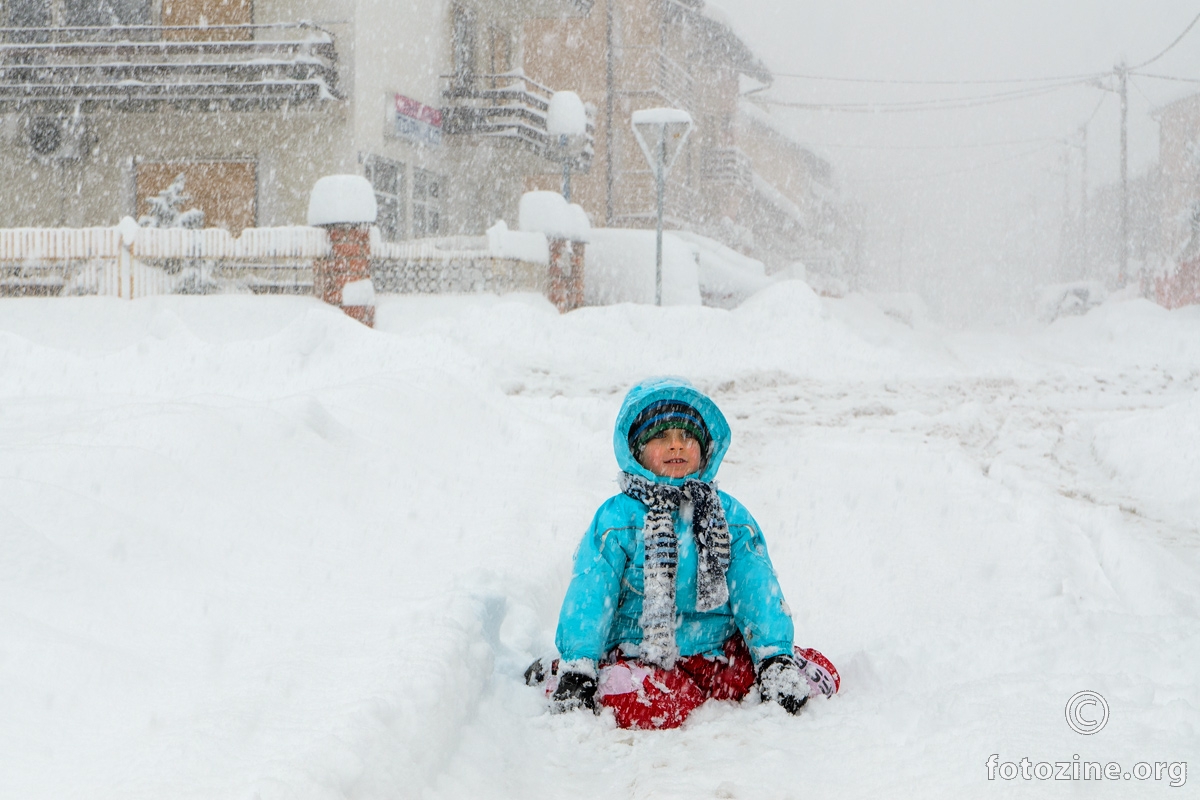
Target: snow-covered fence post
344, 205
566, 229
128, 230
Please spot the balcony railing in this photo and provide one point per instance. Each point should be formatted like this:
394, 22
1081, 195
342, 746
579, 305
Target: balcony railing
727, 166
144, 66
653, 75
509, 106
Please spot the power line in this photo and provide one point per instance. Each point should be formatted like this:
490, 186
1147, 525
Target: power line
995, 82
937, 104
1171, 46
988, 82
959, 146
951, 173
1167, 77
1095, 110
1139, 90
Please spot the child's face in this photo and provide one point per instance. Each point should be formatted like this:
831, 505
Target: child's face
673, 453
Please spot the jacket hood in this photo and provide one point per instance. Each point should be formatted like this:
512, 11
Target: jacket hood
653, 390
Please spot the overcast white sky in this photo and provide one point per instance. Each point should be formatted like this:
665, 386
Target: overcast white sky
948, 40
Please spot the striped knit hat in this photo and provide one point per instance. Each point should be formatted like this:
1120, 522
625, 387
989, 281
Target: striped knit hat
663, 415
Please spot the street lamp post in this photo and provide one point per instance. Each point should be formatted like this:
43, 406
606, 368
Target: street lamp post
665, 130
566, 125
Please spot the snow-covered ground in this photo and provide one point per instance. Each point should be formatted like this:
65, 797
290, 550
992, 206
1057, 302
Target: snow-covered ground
251, 549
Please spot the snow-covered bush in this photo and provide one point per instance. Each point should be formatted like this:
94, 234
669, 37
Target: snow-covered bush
166, 208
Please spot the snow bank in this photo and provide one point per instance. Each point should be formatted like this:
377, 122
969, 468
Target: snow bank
1067, 299
1133, 332
521, 245
1155, 457
359, 293
248, 547
347, 199
620, 266
549, 213
726, 276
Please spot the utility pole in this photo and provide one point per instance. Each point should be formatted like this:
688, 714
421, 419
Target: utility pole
610, 146
1066, 255
1123, 275
1083, 200
661, 174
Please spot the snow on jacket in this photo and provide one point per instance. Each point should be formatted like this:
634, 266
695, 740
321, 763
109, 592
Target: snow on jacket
603, 604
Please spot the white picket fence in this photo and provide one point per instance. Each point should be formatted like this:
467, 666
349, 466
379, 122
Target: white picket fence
150, 261
99, 261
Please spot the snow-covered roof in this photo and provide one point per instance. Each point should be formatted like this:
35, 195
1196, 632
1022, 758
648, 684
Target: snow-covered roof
749, 111
722, 35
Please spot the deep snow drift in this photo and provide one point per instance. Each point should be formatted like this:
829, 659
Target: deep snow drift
249, 548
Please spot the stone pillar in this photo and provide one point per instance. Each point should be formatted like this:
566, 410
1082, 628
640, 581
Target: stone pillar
564, 284
343, 278
344, 205
576, 283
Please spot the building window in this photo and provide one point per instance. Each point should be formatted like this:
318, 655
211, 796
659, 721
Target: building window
426, 203
27, 14
501, 50
106, 12
387, 178
226, 191
194, 16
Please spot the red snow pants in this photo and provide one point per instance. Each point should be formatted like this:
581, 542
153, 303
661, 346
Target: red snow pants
645, 696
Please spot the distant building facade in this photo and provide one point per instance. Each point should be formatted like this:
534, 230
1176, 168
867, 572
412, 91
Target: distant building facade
442, 105
1178, 192
104, 102
740, 179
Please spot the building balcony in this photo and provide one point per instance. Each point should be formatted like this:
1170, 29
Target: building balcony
505, 108
727, 167
656, 78
143, 67
533, 9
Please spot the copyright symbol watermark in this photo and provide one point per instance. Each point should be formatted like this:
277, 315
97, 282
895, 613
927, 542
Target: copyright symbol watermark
1091, 721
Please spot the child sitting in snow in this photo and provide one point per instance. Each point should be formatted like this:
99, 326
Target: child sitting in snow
673, 599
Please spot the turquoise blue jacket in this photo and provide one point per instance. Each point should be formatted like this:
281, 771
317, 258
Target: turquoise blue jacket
603, 604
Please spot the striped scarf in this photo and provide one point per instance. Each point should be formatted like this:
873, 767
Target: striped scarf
662, 558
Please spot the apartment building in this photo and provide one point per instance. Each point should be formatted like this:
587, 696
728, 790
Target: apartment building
103, 103
1179, 177
742, 179
442, 105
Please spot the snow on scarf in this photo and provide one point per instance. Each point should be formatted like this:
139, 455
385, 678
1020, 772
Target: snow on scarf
662, 557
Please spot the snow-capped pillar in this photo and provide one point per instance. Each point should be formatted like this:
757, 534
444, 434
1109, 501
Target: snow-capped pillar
344, 205
566, 229
128, 230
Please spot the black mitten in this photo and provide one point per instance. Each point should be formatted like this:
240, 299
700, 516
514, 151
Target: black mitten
781, 681
536, 673
575, 690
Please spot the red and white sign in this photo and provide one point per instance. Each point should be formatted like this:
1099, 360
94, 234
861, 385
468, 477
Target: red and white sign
415, 121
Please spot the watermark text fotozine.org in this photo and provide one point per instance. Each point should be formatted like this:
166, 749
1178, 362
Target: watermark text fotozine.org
1086, 714
1174, 772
